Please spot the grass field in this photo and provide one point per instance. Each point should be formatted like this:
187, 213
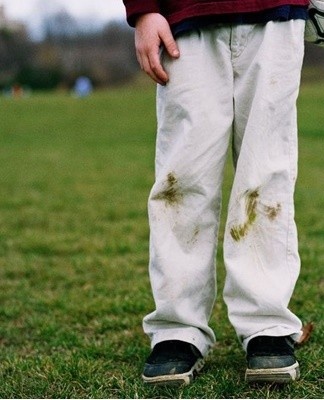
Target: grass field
75, 176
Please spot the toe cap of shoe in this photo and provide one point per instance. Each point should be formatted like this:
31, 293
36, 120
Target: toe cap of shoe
268, 362
170, 368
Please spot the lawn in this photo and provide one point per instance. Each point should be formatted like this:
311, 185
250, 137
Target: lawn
75, 176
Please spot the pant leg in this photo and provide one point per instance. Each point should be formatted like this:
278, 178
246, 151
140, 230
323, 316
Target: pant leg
260, 250
195, 114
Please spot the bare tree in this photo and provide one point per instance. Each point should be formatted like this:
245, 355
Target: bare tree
60, 26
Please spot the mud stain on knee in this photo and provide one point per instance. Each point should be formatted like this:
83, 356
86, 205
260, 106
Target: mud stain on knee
240, 231
253, 207
172, 194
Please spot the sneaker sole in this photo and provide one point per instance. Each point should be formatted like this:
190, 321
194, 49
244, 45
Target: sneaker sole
176, 379
274, 375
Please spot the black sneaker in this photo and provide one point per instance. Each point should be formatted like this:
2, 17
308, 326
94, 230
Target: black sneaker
271, 359
172, 362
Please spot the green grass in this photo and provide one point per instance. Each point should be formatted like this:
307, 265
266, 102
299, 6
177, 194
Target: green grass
75, 176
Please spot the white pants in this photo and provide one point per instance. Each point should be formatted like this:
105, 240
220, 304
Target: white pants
236, 83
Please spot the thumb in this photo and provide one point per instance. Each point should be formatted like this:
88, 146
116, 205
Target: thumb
169, 43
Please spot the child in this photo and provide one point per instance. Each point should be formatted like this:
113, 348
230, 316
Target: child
228, 71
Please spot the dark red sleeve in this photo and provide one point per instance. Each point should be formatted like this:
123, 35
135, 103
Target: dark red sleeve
134, 8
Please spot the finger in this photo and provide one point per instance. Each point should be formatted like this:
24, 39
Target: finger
150, 62
151, 68
146, 66
169, 43
157, 69
139, 59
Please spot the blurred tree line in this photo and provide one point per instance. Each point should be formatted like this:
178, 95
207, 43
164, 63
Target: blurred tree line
67, 50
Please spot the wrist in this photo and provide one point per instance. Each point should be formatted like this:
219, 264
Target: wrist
145, 16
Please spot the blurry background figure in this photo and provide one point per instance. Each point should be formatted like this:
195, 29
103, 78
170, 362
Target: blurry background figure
83, 86
17, 91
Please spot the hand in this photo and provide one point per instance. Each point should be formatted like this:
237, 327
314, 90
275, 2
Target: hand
153, 30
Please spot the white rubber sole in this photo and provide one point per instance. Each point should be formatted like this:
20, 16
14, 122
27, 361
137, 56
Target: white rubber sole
176, 379
274, 375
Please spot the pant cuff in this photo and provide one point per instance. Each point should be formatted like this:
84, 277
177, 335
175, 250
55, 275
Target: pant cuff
189, 335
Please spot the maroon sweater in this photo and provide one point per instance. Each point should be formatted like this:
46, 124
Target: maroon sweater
176, 11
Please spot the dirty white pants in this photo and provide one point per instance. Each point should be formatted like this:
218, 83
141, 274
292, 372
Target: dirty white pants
239, 85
